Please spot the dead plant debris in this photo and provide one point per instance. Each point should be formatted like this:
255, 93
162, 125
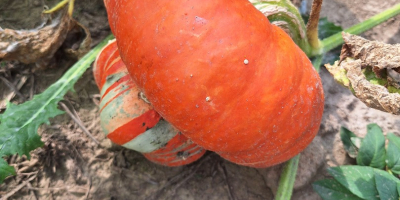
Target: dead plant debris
370, 69
39, 45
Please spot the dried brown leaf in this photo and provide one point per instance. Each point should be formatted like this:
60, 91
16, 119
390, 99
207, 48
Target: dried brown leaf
359, 53
372, 53
39, 45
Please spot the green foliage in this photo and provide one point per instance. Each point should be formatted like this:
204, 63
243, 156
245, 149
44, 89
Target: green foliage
332, 189
372, 151
5, 169
19, 123
386, 185
346, 135
367, 180
359, 180
393, 152
327, 28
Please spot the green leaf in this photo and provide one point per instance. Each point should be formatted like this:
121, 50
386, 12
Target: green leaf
358, 179
19, 123
330, 189
327, 28
393, 153
346, 136
5, 170
386, 185
398, 189
372, 151
356, 141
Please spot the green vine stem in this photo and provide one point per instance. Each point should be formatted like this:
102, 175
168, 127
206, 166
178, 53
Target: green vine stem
288, 176
335, 40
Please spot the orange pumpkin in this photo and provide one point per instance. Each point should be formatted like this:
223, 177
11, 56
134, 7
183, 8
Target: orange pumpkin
129, 121
222, 74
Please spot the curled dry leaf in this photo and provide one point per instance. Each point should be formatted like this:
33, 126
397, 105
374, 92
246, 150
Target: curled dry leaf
370, 70
39, 45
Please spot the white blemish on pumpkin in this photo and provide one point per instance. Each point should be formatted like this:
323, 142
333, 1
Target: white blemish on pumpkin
208, 99
246, 61
197, 106
310, 89
144, 98
274, 129
200, 20
191, 75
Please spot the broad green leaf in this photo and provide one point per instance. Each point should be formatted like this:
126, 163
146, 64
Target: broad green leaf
19, 123
398, 189
386, 185
330, 189
356, 141
393, 153
372, 151
358, 179
5, 170
345, 136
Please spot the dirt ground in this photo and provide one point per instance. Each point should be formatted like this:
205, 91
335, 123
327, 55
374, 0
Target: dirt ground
73, 166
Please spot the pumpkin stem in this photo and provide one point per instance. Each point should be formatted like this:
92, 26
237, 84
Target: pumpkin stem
284, 14
312, 25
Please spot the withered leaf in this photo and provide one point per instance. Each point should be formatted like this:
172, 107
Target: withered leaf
39, 45
382, 59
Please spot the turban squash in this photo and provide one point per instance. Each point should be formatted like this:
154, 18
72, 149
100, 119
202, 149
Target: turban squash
222, 74
128, 120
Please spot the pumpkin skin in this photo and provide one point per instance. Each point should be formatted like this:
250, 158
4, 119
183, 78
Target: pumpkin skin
129, 121
222, 74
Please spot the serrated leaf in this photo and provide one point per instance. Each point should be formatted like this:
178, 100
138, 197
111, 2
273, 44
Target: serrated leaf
393, 153
359, 180
386, 185
5, 170
19, 123
372, 151
330, 189
345, 136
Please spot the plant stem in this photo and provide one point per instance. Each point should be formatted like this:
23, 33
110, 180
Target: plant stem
317, 62
288, 177
312, 25
336, 39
